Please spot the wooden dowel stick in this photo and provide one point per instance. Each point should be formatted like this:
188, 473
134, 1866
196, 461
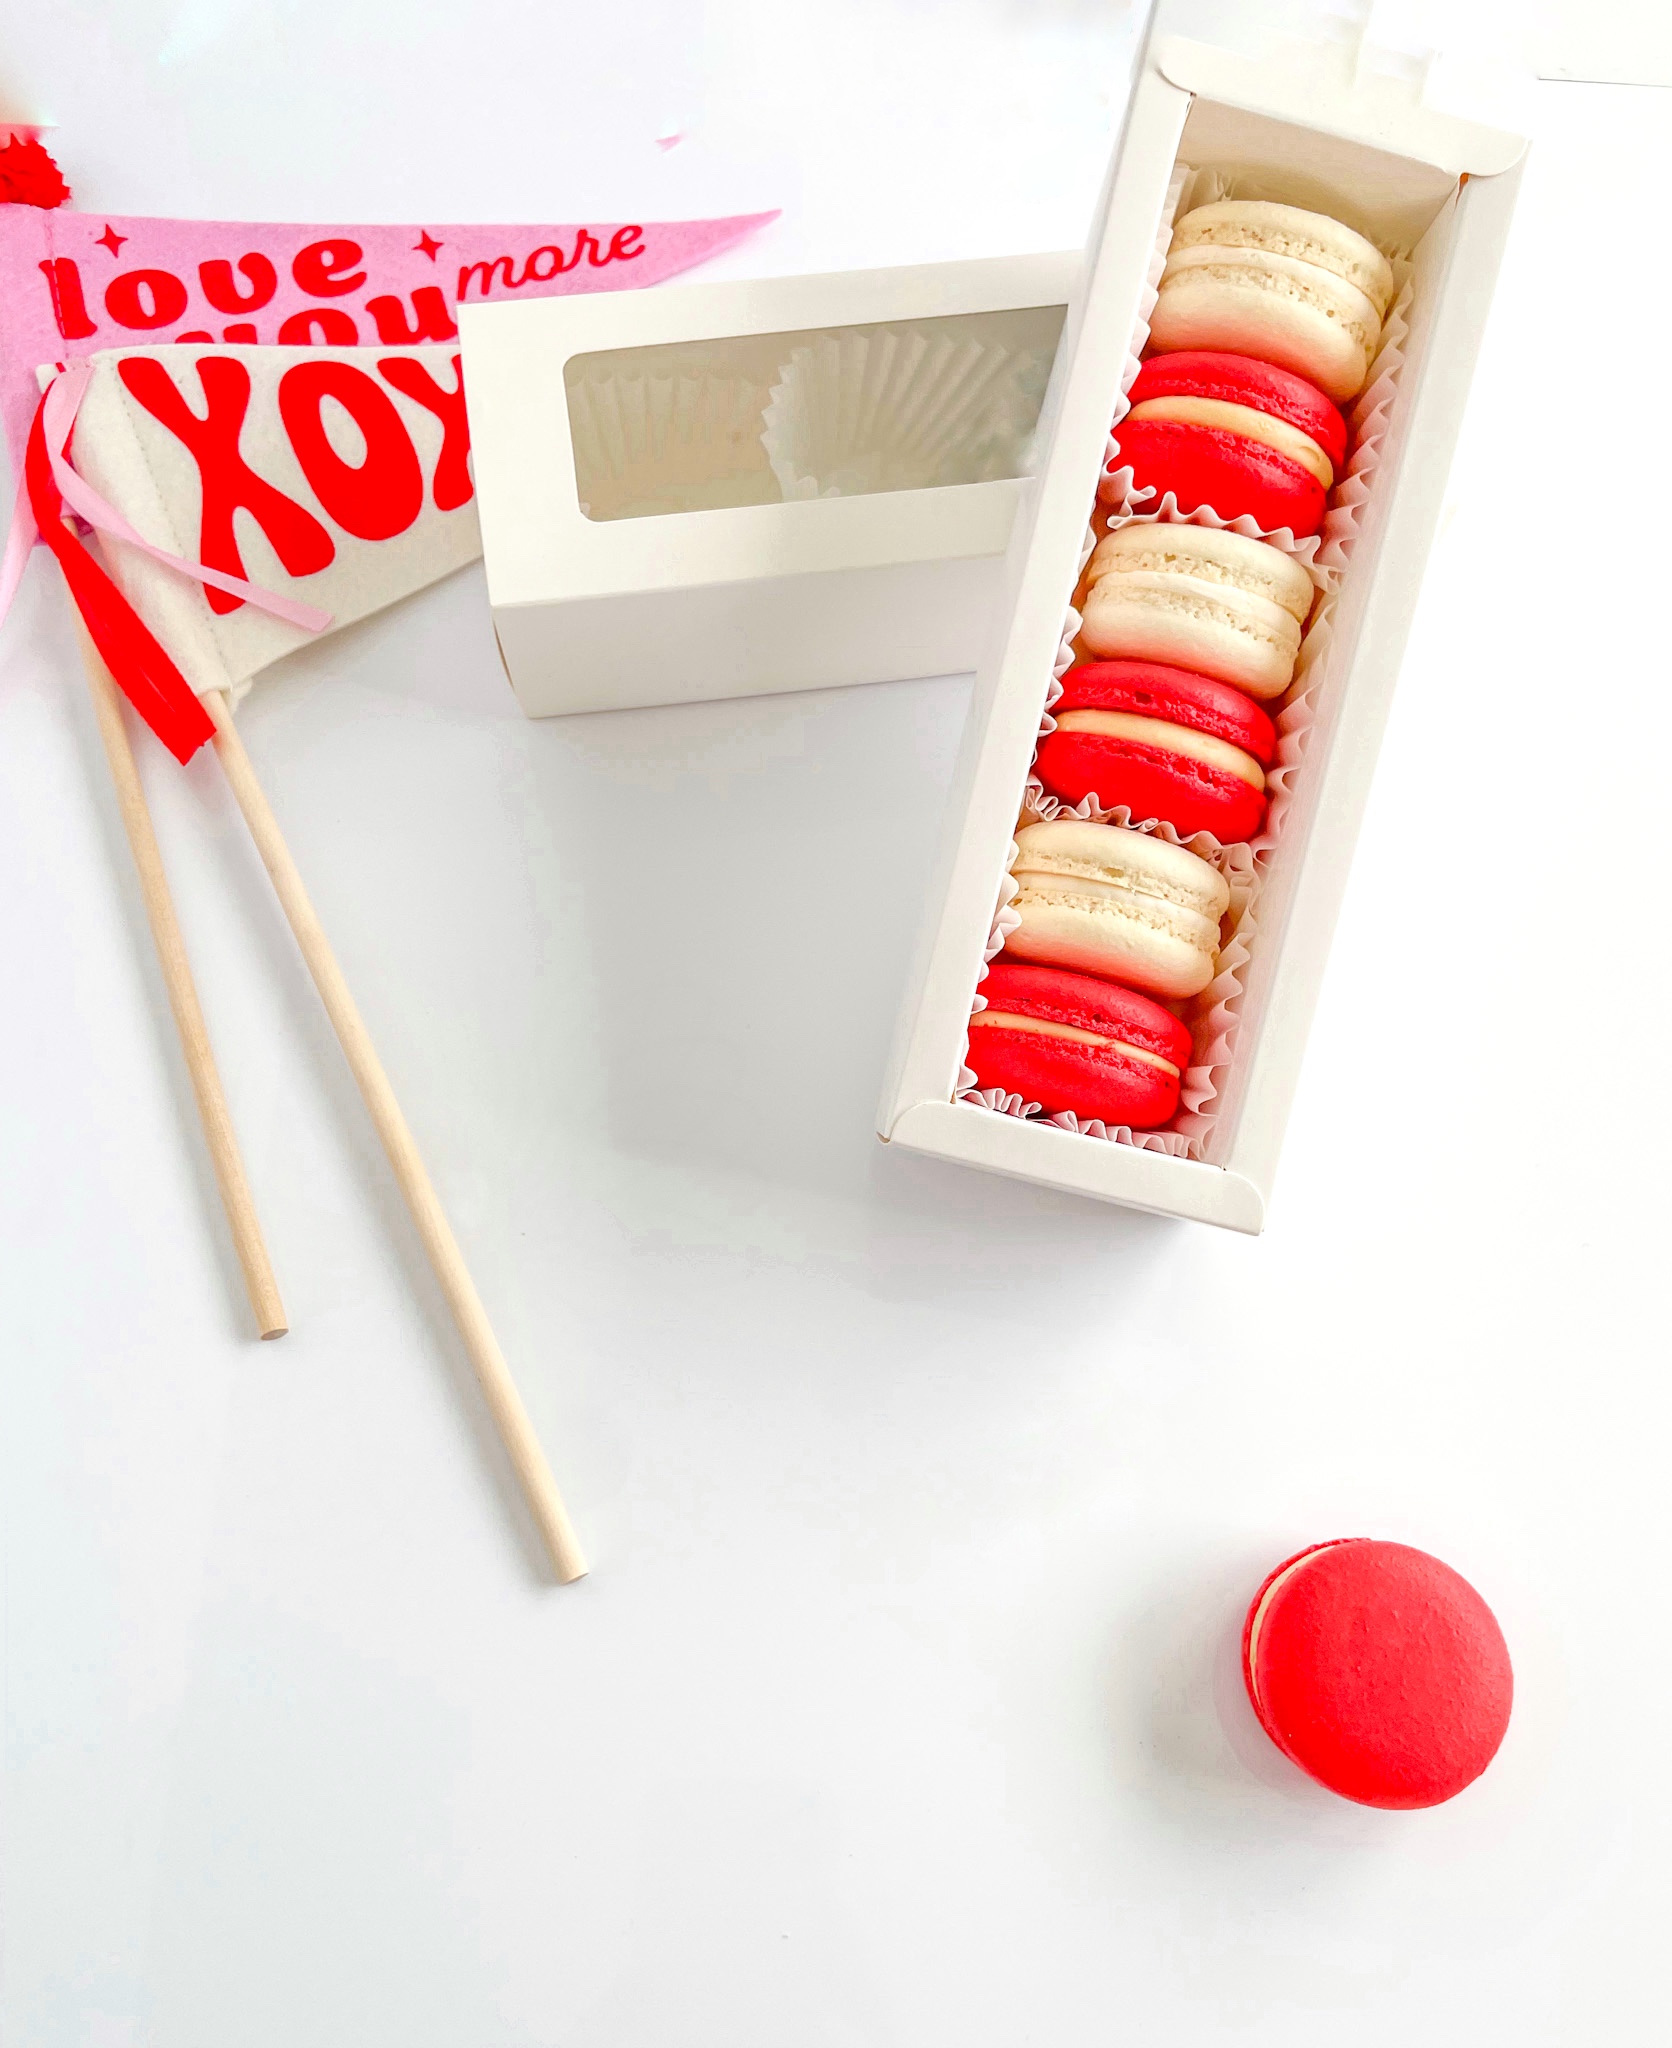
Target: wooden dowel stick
212, 1109
499, 1389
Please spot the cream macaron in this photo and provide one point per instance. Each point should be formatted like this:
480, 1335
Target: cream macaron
1291, 287
1103, 899
1197, 597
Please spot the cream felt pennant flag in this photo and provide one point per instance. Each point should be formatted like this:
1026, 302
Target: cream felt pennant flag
335, 478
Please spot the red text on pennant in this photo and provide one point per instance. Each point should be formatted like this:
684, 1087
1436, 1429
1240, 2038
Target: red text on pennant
383, 493
228, 482
452, 486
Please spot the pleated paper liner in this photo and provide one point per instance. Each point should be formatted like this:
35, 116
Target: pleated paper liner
646, 445
1214, 1016
901, 409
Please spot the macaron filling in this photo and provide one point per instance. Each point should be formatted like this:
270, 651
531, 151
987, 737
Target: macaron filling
1175, 696
1011, 1020
1226, 604
1287, 277
1205, 747
1251, 1659
1263, 386
1291, 232
1245, 422
1144, 897
1204, 555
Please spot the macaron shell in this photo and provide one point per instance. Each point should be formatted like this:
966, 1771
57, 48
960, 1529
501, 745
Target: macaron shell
1152, 690
1226, 473
1086, 1002
1097, 936
1182, 624
1253, 568
1294, 232
1380, 1671
1059, 1073
1245, 312
1150, 782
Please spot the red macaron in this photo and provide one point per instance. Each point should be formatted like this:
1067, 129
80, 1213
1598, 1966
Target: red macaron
1379, 1671
1164, 742
1236, 435
1077, 1042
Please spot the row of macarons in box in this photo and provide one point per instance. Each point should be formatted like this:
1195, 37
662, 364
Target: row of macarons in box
1268, 317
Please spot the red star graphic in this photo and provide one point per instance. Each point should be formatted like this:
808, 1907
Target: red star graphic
428, 244
110, 239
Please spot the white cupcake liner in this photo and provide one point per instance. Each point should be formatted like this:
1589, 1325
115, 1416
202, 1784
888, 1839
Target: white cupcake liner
1215, 1015
1169, 1141
899, 408
645, 445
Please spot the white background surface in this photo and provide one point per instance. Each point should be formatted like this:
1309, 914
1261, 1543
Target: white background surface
902, 1705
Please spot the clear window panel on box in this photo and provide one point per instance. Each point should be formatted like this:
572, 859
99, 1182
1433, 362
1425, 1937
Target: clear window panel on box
767, 419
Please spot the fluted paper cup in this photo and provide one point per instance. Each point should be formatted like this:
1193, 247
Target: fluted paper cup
900, 409
650, 445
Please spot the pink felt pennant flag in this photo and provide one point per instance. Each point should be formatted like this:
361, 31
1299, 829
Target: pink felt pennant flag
75, 283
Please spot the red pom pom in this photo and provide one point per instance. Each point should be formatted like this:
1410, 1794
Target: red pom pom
28, 176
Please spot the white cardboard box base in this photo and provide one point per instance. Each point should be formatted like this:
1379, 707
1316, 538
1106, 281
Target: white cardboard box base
797, 629
1344, 140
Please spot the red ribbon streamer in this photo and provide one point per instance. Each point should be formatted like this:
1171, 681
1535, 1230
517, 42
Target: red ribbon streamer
137, 660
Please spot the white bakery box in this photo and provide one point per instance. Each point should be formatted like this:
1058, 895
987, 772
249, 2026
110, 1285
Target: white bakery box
714, 491
726, 490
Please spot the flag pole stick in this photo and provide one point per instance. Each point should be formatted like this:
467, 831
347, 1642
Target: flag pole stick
505, 1405
199, 1054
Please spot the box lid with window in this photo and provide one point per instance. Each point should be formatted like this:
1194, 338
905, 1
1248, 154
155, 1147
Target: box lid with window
722, 490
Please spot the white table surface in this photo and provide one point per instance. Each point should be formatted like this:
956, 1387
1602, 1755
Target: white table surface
901, 1706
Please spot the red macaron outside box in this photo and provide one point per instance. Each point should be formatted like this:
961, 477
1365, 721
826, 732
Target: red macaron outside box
1242, 457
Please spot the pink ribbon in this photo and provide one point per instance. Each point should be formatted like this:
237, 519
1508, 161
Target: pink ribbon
21, 536
59, 408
